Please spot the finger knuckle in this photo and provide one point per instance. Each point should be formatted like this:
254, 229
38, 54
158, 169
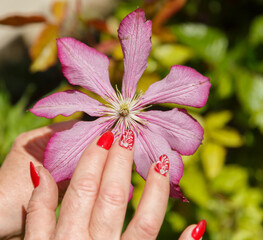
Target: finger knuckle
114, 196
122, 158
85, 186
33, 206
20, 139
148, 226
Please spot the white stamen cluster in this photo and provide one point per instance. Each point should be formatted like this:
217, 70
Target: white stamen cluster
125, 112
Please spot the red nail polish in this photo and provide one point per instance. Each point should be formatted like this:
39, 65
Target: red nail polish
34, 175
199, 230
162, 165
127, 139
106, 140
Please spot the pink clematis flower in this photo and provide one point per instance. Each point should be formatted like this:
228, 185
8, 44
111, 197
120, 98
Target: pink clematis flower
171, 132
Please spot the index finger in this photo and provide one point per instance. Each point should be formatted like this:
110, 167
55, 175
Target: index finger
82, 192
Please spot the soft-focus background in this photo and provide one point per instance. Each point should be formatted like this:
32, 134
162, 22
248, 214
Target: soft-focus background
222, 39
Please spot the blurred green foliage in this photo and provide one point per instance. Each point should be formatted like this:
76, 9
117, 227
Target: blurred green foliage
14, 120
223, 40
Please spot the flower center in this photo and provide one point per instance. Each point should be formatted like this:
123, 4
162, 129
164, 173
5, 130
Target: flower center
124, 109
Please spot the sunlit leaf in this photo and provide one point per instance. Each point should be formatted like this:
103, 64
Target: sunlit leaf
208, 42
58, 210
138, 183
60, 118
171, 54
217, 119
177, 222
231, 179
126, 7
194, 186
59, 9
246, 197
44, 50
256, 30
117, 52
224, 84
228, 137
250, 93
146, 80
213, 159
18, 21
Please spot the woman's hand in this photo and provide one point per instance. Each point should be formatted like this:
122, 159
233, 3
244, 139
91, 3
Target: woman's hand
95, 202
15, 184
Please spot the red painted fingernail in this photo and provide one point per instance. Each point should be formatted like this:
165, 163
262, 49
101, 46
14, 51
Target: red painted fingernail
162, 165
199, 230
106, 140
127, 139
34, 175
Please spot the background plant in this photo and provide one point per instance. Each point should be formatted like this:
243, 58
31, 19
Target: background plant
223, 181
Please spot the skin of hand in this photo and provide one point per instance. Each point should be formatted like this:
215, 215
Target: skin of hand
97, 196
15, 183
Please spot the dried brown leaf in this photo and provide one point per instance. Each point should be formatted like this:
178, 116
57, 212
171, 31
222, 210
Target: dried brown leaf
18, 21
169, 8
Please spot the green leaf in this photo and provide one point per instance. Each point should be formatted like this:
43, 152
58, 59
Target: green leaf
213, 158
194, 186
171, 54
208, 42
217, 119
15, 120
231, 179
250, 93
256, 31
138, 183
227, 137
177, 222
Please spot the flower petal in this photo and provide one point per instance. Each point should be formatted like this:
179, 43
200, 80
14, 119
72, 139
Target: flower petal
65, 148
183, 85
148, 148
135, 37
66, 103
183, 133
85, 66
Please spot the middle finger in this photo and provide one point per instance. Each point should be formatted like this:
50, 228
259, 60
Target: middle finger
110, 207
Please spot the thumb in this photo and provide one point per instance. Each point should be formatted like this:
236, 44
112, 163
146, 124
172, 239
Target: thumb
194, 232
41, 217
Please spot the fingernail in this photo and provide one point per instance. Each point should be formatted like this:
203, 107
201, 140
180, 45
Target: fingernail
199, 230
106, 140
162, 165
127, 139
34, 175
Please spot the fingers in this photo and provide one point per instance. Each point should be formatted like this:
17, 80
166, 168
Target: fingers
187, 233
151, 210
194, 232
41, 217
110, 208
82, 192
15, 184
